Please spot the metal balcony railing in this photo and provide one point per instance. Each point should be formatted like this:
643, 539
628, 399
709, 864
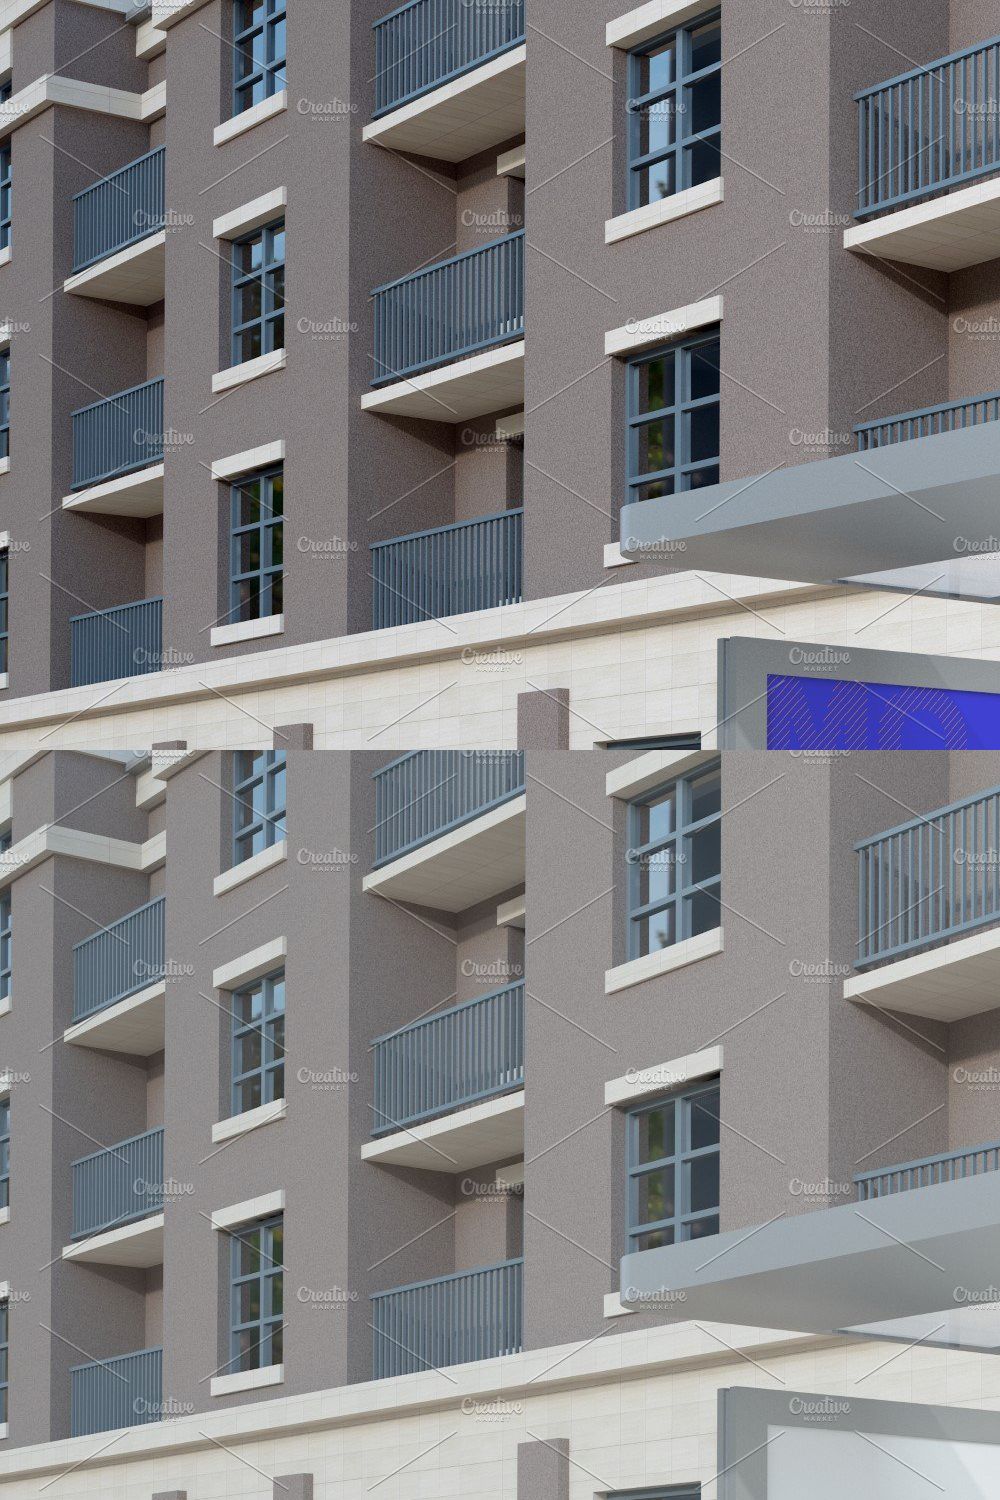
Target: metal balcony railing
118, 1184
122, 208
118, 435
450, 1059
118, 961
429, 792
948, 1167
950, 416
929, 130
449, 1321
449, 570
122, 1392
429, 42
126, 641
930, 879
451, 309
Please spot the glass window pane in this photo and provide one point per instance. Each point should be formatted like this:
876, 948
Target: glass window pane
654, 1133
657, 127
703, 1183
704, 161
701, 1228
659, 181
658, 931
248, 1254
655, 1195
704, 1120
706, 796
699, 478
703, 433
657, 820
704, 104
657, 872
704, 364
654, 1239
656, 489
704, 854
703, 912
706, 45
657, 68
276, 495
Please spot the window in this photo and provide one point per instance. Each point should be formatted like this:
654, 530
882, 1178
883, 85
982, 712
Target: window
256, 1296
259, 293
673, 419
259, 1044
675, 862
5, 402
675, 112
259, 43
4, 1312
256, 576
673, 1169
4, 564
5, 1152
5, 967
6, 88
259, 792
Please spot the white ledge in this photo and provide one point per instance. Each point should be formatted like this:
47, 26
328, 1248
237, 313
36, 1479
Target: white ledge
250, 1119
663, 961
138, 1244
647, 21
651, 769
246, 630
489, 381
613, 1307
134, 275
76, 844
644, 333
134, 1026
137, 494
247, 1380
613, 556
663, 211
248, 118
262, 1207
660, 1078
479, 109
250, 369
52, 88
456, 1142
250, 966
167, 12
248, 868
251, 215
249, 460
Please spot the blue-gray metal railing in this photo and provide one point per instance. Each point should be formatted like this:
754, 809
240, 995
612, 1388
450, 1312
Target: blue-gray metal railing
448, 1321
118, 435
950, 416
126, 641
930, 879
449, 570
948, 1167
929, 129
119, 210
428, 792
118, 1184
451, 309
125, 1391
120, 960
450, 1059
427, 43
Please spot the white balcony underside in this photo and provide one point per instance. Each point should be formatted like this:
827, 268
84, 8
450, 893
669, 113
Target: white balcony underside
488, 1132
947, 234
135, 275
471, 863
139, 1245
471, 387
461, 118
956, 980
134, 1026
139, 494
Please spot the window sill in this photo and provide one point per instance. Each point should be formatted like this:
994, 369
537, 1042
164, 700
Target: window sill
5, 256
4, 681
250, 1119
663, 961
613, 556
613, 1306
247, 630
5, 1006
663, 211
247, 1380
248, 868
3, 1431
248, 118
251, 369
5, 1215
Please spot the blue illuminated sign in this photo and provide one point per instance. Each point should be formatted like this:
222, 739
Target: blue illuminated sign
821, 713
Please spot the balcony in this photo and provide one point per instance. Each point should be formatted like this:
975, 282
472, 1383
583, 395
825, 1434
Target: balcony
126, 641
118, 1204
928, 913
449, 570
951, 416
449, 340
927, 139
949, 1167
118, 454
119, 237
449, 827
126, 1391
118, 984
451, 1320
449, 77
449, 1089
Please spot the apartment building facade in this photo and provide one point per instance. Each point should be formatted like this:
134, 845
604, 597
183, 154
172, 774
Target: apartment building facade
542, 1014
582, 370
